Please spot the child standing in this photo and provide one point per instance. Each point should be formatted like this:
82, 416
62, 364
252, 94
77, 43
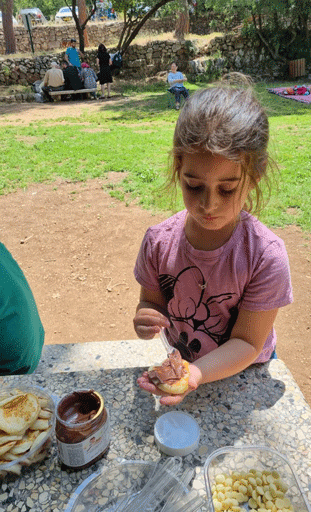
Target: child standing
212, 275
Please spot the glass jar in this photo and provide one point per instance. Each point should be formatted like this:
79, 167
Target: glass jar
82, 429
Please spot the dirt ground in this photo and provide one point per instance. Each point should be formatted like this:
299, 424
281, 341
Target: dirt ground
77, 247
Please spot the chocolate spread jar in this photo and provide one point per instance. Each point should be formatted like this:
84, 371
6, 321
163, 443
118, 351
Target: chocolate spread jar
82, 428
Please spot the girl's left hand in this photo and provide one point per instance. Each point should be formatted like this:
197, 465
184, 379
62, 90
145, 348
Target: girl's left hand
194, 380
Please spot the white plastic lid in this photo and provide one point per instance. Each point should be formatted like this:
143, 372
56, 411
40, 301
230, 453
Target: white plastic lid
176, 433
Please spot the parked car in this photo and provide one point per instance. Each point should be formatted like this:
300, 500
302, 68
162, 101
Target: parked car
65, 14
36, 15
14, 19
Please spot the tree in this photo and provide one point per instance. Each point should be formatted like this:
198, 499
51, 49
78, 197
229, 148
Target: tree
281, 26
82, 17
6, 6
80, 25
135, 16
182, 23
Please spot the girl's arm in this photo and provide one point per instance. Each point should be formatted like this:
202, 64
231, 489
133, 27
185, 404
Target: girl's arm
247, 339
151, 314
240, 351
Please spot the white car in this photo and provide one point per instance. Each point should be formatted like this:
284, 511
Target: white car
14, 19
65, 14
36, 15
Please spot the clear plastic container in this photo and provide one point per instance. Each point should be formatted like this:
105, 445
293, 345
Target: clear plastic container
114, 488
243, 459
41, 450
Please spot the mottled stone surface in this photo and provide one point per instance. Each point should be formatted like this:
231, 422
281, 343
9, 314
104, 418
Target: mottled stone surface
262, 405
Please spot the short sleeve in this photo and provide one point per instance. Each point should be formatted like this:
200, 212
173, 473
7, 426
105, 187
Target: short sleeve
145, 270
270, 285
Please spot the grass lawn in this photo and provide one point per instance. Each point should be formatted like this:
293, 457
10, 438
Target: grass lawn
133, 137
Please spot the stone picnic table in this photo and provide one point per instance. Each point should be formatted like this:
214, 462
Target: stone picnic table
260, 406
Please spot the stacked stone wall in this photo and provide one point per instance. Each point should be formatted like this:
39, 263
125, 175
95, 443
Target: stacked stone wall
139, 62
47, 38
231, 52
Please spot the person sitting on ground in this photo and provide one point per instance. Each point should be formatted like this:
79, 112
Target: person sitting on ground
53, 81
176, 79
89, 78
21, 330
72, 55
72, 77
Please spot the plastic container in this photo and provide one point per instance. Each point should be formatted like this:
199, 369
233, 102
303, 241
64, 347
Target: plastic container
41, 450
176, 433
113, 488
247, 458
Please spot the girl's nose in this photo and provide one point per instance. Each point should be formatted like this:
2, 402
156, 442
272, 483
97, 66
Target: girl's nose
208, 200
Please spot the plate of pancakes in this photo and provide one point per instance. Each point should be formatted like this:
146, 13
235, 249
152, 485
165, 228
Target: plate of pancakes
27, 422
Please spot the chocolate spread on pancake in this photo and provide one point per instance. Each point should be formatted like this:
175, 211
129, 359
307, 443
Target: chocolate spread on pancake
170, 371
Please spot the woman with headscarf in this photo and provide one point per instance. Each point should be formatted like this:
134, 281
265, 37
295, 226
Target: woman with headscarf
104, 62
89, 78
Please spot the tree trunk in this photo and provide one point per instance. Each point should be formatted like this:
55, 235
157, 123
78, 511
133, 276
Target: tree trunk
182, 24
6, 7
82, 18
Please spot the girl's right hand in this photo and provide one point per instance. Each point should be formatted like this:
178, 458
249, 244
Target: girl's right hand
148, 322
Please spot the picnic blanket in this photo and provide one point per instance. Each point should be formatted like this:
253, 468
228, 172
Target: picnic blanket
283, 92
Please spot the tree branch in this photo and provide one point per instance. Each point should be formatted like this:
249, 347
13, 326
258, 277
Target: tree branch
132, 36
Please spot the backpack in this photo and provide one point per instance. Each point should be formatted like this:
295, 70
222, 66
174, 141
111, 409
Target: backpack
36, 86
116, 59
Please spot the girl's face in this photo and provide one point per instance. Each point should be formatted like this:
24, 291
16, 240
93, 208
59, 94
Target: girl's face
214, 190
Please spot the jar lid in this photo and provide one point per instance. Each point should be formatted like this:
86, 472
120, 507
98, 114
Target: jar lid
176, 433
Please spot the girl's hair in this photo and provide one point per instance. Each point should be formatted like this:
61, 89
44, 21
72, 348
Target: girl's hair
102, 48
225, 120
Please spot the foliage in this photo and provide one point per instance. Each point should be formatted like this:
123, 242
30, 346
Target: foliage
282, 26
48, 7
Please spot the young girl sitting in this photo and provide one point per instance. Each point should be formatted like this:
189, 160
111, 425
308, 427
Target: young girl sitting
212, 275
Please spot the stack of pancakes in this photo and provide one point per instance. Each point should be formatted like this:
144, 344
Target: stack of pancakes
25, 420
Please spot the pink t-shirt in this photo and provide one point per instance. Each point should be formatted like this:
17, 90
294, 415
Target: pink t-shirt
250, 271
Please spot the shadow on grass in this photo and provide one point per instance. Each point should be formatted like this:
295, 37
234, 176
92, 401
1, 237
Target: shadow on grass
15, 108
138, 108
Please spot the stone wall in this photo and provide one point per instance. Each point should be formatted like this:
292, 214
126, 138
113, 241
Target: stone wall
232, 52
221, 55
47, 38
139, 62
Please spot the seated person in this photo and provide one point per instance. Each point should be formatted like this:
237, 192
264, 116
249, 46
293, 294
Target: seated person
21, 330
176, 79
72, 77
89, 78
53, 81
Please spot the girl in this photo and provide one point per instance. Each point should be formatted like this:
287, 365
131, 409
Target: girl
104, 62
212, 275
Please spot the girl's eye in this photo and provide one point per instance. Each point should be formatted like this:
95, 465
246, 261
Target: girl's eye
225, 192
193, 189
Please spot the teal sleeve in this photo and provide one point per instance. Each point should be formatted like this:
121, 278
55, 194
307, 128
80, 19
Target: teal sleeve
21, 330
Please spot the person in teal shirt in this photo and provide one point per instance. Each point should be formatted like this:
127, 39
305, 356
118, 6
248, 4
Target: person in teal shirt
21, 330
72, 55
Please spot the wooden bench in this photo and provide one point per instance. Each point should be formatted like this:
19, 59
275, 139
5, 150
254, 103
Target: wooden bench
79, 91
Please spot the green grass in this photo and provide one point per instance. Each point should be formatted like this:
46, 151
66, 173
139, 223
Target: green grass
133, 138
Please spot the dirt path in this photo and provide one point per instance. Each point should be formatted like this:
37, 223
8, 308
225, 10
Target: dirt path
77, 247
